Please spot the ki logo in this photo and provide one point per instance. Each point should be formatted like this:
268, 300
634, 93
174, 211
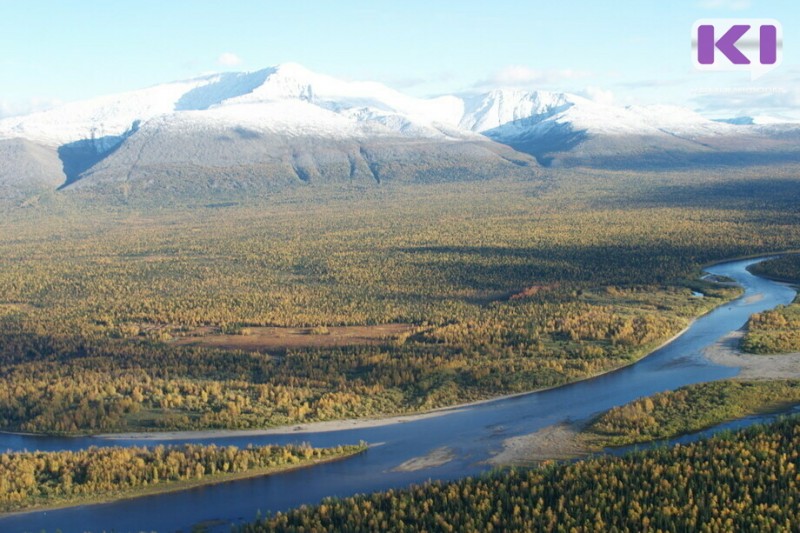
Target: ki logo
753, 45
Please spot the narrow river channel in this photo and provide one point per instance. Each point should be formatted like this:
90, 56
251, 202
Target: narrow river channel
473, 433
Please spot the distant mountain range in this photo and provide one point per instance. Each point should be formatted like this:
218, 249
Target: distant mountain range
287, 125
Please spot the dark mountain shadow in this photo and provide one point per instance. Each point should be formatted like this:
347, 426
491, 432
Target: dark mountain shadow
558, 138
79, 156
762, 194
680, 160
553, 143
495, 268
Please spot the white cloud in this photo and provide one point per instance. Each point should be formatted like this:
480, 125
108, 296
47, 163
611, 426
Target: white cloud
229, 59
32, 105
653, 83
743, 98
753, 101
522, 76
410, 82
601, 96
734, 5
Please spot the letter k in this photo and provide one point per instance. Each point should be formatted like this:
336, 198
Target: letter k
726, 44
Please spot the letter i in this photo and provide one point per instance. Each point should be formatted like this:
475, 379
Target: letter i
768, 44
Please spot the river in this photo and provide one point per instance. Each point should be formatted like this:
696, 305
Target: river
473, 433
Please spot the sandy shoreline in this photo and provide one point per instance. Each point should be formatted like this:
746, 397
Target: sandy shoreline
437, 457
726, 352
299, 429
557, 442
314, 427
562, 441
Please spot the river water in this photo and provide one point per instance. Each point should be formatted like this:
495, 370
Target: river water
473, 433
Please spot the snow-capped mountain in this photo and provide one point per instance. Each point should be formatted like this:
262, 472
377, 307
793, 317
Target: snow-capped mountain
566, 128
286, 99
509, 114
292, 100
287, 123
275, 125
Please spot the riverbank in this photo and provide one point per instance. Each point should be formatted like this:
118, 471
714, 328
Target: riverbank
176, 486
662, 417
566, 441
360, 423
344, 424
726, 352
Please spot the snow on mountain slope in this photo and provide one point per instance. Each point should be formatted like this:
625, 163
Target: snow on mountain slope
511, 114
563, 128
679, 120
485, 112
291, 99
294, 82
287, 98
223, 118
24, 164
99, 117
301, 118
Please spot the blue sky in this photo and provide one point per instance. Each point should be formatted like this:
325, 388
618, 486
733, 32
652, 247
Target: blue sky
628, 51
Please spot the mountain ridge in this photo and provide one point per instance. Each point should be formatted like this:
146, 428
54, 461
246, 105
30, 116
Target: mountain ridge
289, 120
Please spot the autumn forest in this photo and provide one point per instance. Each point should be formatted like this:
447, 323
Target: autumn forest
288, 309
